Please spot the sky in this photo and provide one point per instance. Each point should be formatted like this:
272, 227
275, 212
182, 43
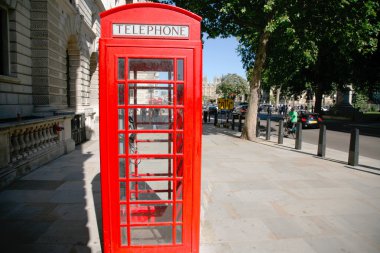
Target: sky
220, 58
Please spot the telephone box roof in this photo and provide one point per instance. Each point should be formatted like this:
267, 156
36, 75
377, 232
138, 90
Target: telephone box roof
152, 5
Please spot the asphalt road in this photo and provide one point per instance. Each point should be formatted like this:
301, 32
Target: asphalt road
368, 146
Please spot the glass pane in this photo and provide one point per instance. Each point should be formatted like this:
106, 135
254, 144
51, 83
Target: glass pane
150, 94
180, 93
150, 69
179, 141
121, 144
124, 236
152, 118
152, 235
180, 69
122, 168
122, 191
178, 233
121, 119
151, 168
121, 93
123, 214
152, 143
178, 212
180, 119
151, 213
150, 190
179, 167
179, 191
121, 68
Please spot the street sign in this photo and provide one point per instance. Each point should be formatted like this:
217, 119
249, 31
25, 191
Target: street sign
225, 104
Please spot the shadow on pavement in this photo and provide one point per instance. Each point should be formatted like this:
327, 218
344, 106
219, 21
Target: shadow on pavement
377, 172
46, 210
96, 193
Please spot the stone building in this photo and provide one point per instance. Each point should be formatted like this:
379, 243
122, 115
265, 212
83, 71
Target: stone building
48, 79
209, 89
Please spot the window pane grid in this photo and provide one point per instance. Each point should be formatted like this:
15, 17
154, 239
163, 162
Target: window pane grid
171, 176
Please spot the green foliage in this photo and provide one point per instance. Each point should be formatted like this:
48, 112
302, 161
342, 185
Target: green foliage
299, 44
360, 102
231, 86
324, 45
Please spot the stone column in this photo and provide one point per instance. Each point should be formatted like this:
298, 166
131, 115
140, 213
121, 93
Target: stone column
65, 135
4, 149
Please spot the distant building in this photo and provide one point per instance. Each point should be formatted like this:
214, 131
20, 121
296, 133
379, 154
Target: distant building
209, 89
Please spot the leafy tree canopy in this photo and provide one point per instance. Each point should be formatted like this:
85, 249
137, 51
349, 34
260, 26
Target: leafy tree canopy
232, 85
295, 44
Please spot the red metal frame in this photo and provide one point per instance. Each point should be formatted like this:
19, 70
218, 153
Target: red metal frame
128, 209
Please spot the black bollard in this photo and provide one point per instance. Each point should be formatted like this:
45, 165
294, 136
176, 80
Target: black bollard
258, 127
299, 136
267, 136
233, 122
353, 155
205, 116
281, 131
215, 118
322, 141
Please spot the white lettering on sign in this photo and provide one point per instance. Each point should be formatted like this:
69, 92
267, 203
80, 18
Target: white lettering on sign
178, 31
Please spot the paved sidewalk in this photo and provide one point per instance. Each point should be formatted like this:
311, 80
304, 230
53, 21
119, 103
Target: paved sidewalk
264, 197
256, 197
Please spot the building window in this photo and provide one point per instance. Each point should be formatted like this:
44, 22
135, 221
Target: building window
4, 42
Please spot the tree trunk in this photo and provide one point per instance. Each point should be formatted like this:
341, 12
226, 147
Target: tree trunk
249, 130
318, 99
278, 92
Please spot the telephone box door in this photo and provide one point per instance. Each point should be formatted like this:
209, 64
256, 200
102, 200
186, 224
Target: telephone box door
149, 97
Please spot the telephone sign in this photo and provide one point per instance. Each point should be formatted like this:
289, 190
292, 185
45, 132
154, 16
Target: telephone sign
151, 30
150, 59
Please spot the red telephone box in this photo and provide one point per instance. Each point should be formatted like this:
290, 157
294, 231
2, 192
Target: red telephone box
150, 128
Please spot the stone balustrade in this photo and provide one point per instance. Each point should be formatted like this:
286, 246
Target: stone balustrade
25, 145
30, 139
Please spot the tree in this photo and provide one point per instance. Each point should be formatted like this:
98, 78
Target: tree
324, 46
339, 31
296, 44
231, 86
360, 102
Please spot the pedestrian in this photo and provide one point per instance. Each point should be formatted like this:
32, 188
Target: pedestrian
293, 117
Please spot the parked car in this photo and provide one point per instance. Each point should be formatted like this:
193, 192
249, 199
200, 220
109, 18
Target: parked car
309, 120
240, 110
265, 107
240, 103
211, 108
